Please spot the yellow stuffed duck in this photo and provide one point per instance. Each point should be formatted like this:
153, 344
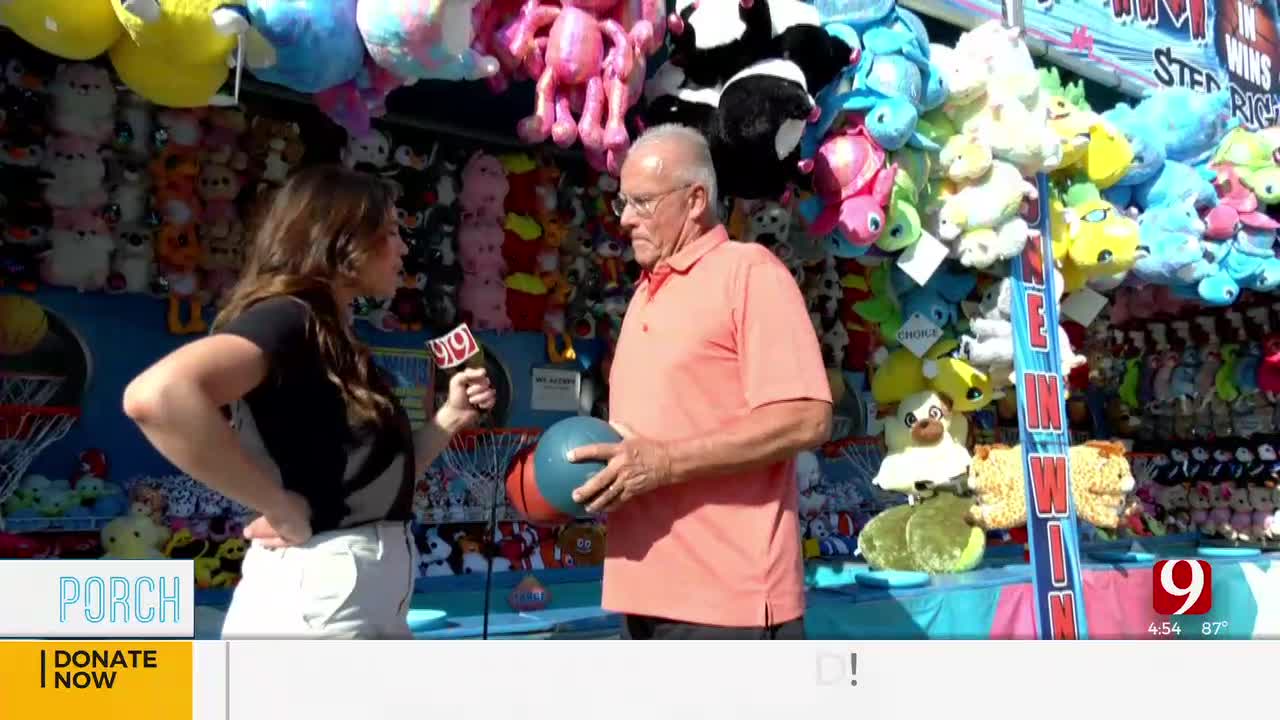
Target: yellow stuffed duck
70, 29
187, 32
171, 85
133, 537
899, 374
1092, 238
177, 53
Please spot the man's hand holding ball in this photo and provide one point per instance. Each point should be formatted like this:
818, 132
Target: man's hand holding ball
633, 467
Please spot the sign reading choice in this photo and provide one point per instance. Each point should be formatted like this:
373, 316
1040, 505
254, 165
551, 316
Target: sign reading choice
97, 598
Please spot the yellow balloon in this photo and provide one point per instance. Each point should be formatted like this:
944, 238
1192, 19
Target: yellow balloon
23, 325
70, 29
181, 32
165, 82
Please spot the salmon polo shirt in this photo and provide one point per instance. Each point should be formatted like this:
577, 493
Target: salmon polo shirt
711, 334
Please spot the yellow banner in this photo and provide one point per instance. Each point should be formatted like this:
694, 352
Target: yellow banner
95, 679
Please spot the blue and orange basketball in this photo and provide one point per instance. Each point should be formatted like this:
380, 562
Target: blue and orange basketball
541, 480
524, 495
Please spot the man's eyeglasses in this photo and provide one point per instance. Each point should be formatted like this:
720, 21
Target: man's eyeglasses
645, 206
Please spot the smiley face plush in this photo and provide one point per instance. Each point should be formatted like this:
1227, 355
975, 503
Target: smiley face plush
926, 446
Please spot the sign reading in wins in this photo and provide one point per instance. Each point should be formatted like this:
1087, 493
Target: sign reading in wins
1044, 435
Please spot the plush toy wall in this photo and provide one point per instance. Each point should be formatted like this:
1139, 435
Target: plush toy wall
889, 169
899, 184
124, 222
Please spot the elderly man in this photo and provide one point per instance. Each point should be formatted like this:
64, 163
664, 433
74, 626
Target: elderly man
717, 383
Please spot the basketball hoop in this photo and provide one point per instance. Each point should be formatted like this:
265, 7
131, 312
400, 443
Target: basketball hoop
27, 425
28, 389
25, 431
482, 457
858, 461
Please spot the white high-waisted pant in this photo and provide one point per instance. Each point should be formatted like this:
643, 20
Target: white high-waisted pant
354, 583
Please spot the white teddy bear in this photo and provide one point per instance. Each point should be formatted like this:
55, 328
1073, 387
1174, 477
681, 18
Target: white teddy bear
808, 481
989, 346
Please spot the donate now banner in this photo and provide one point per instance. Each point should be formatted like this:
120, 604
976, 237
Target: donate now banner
96, 680
1206, 45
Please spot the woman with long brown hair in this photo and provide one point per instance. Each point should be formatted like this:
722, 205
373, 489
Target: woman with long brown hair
317, 442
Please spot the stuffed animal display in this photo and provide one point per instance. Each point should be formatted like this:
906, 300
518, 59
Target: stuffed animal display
895, 177
105, 192
510, 242
141, 518
1101, 481
1194, 390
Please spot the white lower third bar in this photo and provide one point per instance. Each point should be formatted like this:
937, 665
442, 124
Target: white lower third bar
97, 598
712, 680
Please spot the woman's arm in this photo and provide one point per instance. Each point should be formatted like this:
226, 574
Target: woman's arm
177, 404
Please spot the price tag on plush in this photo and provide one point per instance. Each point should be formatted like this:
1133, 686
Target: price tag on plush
1083, 305
918, 334
921, 260
457, 347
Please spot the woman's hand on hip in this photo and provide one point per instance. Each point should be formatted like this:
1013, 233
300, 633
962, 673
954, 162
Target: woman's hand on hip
470, 394
289, 523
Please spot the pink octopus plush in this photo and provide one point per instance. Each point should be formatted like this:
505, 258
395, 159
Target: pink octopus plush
575, 61
611, 160
644, 22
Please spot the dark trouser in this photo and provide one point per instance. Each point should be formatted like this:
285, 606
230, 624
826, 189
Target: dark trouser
639, 627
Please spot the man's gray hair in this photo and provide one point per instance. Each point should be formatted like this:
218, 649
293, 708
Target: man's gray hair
700, 170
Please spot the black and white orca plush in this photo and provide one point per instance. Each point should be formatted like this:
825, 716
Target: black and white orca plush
761, 117
753, 124
766, 106
820, 55
713, 39
671, 98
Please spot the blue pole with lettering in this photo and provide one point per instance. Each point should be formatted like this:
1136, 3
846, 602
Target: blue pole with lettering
1045, 436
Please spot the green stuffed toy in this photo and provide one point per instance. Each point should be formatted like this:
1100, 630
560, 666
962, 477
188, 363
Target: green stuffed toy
902, 222
932, 536
1051, 84
881, 309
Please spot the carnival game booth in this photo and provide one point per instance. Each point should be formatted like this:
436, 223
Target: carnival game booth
1046, 318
